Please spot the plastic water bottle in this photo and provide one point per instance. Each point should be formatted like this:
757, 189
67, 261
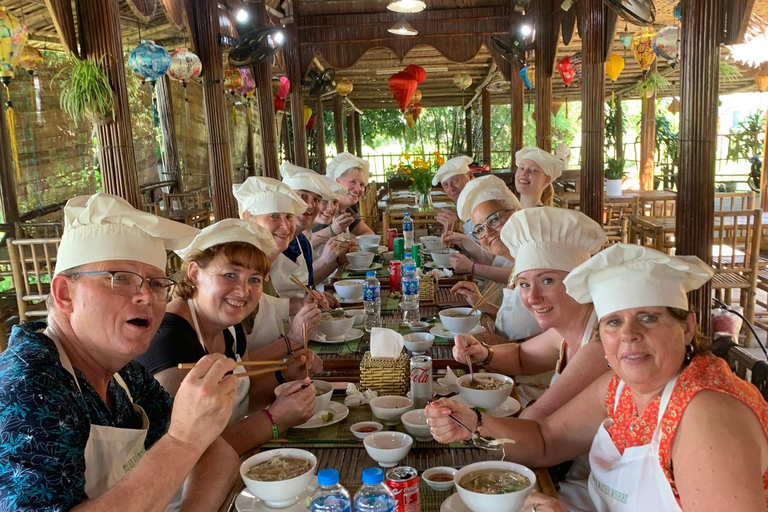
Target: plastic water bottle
330, 496
410, 291
408, 231
374, 496
372, 301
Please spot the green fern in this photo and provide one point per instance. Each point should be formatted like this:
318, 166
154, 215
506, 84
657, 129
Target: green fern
86, 92
729, 72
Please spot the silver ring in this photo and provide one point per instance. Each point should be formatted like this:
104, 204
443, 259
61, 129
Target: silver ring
428, 424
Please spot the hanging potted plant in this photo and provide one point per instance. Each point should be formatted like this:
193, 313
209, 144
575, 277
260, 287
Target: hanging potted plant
85, 92
615, 172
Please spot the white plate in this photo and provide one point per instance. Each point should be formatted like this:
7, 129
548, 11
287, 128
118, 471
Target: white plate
350, 335
398, 206
340, 411
432, 264
442, 332
342, 300
452, 504
247, 502
508, 408
375, 266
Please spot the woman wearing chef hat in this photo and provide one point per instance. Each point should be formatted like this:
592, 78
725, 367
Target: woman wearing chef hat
352, 173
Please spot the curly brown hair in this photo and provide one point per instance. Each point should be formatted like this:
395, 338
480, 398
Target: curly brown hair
237, 253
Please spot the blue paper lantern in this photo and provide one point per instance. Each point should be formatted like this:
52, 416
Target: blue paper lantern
149, 61
524, 75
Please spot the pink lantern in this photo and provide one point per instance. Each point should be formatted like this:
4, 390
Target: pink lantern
185, 66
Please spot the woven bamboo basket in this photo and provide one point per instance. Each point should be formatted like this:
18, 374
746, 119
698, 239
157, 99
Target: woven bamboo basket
385, 376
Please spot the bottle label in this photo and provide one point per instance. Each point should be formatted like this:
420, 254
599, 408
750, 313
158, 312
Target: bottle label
371, 293
410, 286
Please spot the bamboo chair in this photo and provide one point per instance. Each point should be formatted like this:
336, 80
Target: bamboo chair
657, 207
33, 262
201, 220
182, 201
733, 201
31, 230
153, 208
642, 232
616, 221
743, 364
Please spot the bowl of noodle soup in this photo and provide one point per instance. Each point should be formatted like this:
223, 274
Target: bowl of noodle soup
278, 477
499, 486
489, 390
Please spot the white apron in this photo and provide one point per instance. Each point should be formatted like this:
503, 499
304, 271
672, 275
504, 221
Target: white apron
281, 272
240, 405
110, 452
271, 321
634, 480
584, 340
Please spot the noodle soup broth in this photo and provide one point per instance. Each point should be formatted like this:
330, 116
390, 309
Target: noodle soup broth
494, 485
489, 390
279, 476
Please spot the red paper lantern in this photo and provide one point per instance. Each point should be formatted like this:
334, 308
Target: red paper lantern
311, 122
417, 72
415, 111
279, 104
402, 85
565, 68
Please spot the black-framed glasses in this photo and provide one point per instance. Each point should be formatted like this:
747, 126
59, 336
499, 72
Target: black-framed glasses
128, 284
493, 221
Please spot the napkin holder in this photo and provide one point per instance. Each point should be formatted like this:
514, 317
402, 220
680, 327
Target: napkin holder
385, 376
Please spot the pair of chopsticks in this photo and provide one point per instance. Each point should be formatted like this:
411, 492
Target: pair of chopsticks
491, 289
189, 366
443, 246
323, 305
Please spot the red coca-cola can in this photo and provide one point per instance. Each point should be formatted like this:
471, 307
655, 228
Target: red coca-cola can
395, 274
403, 481
391, 235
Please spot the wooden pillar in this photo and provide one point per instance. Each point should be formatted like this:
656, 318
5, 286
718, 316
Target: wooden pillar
287, 148
516, 105
295, 74
167, 130
485, 98
592, 113
351, 144
320, 130
203, 20
7, 172
547, 32
619, 122
100, 36
699, 64
647, 139
262, 74
250, 149
358, 134
468, 131
338, 124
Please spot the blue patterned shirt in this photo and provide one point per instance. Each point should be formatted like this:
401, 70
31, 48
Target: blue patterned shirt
45, 421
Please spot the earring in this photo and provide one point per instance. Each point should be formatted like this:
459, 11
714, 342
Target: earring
606, 362
689, 353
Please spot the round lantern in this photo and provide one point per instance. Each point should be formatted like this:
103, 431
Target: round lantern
409, 120
233, 80
149, 61
249, 84
403, 86
417, 72
614, 67
185, 66
344, 87
462, 81
666, 44
642, 48
30, 58
13, 37
566, 71
526, 78
576, 63
415, 111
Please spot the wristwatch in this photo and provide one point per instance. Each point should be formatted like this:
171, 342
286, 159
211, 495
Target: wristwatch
488, 359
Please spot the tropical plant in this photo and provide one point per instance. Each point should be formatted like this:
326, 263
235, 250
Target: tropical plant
745, 140
729, 72
85, 92
615, 168
654, 83
418, 172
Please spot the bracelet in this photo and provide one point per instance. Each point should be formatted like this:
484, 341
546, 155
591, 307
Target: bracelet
288, 348
488, 359
479, 419
472, 270
279, 377
272, 421
330, 230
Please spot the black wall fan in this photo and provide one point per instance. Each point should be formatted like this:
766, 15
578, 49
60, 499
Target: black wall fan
255, 47
639, 12
513, 50
319, 83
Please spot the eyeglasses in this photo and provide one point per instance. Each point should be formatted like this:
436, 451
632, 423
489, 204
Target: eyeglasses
128, 284
493, 221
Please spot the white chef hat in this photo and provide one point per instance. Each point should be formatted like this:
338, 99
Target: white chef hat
260, 196
103, 227
551, 238
337, 188
301, 178
631, 276
343, 162
549, 163
231, 230
454, 166
480, 190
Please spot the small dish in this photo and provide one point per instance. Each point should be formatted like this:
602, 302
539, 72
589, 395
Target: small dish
388, 448
357, 428
419, 342
419, 326
439, 472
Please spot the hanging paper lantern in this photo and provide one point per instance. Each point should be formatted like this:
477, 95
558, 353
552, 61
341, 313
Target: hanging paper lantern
642, 48
185, 66
309, 118
415, 111
462, 81
311, 123
249, 84
284, 88
674, 107
344, 87
678, 12
614, 67
13, 37
666, 44
566, 71
417, 72
761, 79
403, 86
307, 114
149, 61
417, 96
409, 120
525, 77
576, 63
30, 58
557, 104
626, 39
233, 80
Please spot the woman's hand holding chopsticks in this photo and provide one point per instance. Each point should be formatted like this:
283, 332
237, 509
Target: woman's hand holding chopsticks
299, 362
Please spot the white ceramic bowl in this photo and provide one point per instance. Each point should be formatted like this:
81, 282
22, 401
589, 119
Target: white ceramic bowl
368, 239
388, 448
461, 324
359, 315
446, 485
389, 409
334, 328
431, 243
321, 401
360, 259
355, 429
365, 247
284, 493
350, 289
443, 259
415, 423
478, 502
487, 399
419, 326
419, 342
388, 256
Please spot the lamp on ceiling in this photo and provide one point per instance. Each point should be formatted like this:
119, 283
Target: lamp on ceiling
407, 6
402, 28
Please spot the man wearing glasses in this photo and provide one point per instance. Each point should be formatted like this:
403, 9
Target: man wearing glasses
81, 425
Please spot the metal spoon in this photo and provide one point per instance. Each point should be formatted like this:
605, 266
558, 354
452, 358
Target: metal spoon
469, 363
476, 439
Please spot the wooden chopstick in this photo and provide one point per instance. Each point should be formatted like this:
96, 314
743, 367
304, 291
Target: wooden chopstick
189, 366
263, 371
306, 352
490, 289
323, 305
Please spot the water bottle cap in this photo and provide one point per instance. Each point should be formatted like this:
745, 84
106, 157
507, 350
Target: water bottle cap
327, 476
408, 255
370, 273
373, 476
407, 214
409, 267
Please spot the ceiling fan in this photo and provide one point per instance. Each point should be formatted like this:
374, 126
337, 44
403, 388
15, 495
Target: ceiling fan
511, 49
639, 12
320, 83
255, 47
